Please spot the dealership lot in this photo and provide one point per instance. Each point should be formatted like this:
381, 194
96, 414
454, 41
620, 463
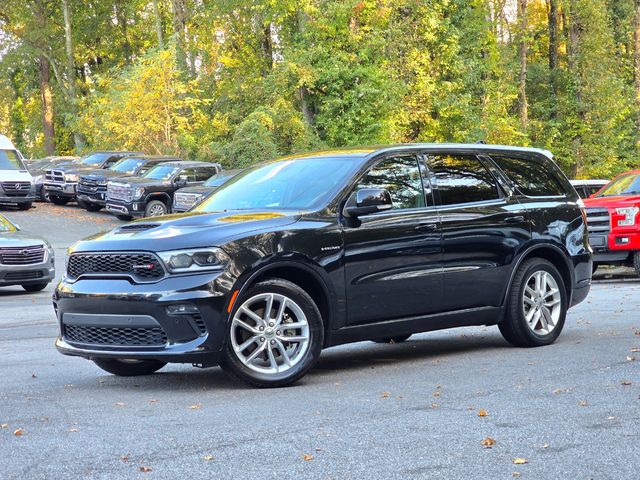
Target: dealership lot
418, 409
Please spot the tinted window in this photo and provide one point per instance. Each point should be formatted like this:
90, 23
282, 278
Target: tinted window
161, 172
127, 165
401, 177
9, 160
462, 179
626, 184
218, 179
531, 177
94, 159
203, 174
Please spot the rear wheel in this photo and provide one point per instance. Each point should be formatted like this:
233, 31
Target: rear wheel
396, 339
537, 305
25, 206
155, 208
58, 200
275, 335
128, 368
35, 287
92, 207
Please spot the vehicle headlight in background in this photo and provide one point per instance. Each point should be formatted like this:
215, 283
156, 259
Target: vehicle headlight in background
629, 214
196, 260
137, 193
71, 177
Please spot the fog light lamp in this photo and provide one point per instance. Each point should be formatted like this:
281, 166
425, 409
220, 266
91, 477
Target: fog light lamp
182, 309
622, 240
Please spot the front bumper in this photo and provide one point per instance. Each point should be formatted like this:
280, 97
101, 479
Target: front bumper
615, 246
106, 308
66, 189
4, 199
95, 197
27, 274
130, 209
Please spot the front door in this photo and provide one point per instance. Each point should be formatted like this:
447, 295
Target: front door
393, 258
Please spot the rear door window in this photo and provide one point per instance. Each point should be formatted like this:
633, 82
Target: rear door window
530, 176
204, 173
462, 179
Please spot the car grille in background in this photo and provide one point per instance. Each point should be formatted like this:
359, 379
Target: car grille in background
139, 266
54, 176
16, 189
91, 186
119, 192
126, 337
22, 255
598, 221
185, 201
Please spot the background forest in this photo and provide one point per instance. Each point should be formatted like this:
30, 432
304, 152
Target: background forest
242, 81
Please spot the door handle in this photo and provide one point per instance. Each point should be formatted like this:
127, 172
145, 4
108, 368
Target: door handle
426, 227
514, 219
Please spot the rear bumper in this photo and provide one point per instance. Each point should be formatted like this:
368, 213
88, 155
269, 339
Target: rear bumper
102, 313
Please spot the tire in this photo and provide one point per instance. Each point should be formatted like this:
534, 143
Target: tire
25, 206
129, 368
155, 208
58, 200
514, 327
636, 262
124, 218
81, 204
594, 268
256, 361
92, 207
44, 196
396, 339
35, 287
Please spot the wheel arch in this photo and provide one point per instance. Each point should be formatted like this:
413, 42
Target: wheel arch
162, 196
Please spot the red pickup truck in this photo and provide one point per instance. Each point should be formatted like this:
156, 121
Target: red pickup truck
614, 221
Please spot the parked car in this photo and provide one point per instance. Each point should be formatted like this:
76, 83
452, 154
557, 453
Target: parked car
92, 186
37, 169
586, 188
61, 181
186, 198
614, 223
25, 259
303, 253
16, 183
151, 194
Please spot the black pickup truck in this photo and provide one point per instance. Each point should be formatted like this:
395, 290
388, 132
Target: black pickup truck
60, 181
92, 186
188, 197
151, 194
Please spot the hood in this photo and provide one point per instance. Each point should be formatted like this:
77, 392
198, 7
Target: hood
73, 168
192, 230
140, 181
15, 176
97, 175
20, 239
612, 202
201, 189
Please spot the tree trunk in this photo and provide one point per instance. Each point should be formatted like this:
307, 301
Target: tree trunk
553, 56
71, 74
158, 18
308, 112
47, 105
575, 27
523, 106
121, 18
267, 48
636, 62
180, 31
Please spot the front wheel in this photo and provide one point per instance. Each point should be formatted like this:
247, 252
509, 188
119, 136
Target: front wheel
536, 306
128, 368
92, 207
275, 335
155, 208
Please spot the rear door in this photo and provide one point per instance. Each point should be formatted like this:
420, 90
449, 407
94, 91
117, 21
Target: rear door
392, 258
481, 228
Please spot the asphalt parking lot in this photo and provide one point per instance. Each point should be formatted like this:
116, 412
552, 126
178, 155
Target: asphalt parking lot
420, 409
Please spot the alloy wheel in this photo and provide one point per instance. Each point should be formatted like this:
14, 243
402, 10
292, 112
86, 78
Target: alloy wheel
541, 302
156, 210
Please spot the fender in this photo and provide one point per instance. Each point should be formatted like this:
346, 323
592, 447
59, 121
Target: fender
525, 254
158, 196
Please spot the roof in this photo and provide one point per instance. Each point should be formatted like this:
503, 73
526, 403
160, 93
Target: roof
157, 157
589, 182
191, 163
6, 144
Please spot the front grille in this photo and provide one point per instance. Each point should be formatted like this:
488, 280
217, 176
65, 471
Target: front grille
199, 323
91, 186
139, 266
186, 200
22, 255
125, 337
54, 176
16, 189
598, 221
22, 276
116, 191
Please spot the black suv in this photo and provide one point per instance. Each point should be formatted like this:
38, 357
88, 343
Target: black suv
307, 252
61, 181
151, 194
92, 186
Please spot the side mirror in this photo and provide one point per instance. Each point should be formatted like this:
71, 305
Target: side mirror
182, 180
366, 201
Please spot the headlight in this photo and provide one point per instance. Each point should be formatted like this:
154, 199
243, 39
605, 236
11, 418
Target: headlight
629, 214
197, 260
71, 177
137, 193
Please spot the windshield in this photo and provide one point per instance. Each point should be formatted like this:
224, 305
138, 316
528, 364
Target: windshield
9, 160
161, 172
94, 158
6, 225
627, 184
286, 184
127, 165
217, 180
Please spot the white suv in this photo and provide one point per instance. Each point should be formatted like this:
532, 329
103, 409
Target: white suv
16, 183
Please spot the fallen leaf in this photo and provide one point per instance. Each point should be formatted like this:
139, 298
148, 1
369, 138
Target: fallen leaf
434, 405
72, 430
515, 474
482, 413
145, 469
68, 385
546, 445
307, 457
635, 350
124, 458
520, 461
119, 404
385, 395
18, 432
436, 394
583, 403
4, 425
153, 400
611, 418
631, 358
561, 390
488, 442
626, 383
196, 406
33, 375
208, 458
318, 449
